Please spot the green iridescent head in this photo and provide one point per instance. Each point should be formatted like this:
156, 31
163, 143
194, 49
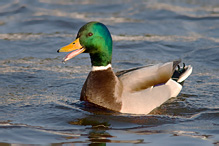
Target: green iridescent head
93, 38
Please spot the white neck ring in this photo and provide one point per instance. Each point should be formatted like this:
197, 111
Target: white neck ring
95, 68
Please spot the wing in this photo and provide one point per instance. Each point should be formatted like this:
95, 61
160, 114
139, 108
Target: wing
122, 72
143, 77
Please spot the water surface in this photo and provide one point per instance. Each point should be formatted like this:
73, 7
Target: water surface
39, 100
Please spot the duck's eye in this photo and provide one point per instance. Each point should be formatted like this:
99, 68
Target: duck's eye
90, 34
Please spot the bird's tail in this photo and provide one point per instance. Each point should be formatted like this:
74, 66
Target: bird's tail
181, 73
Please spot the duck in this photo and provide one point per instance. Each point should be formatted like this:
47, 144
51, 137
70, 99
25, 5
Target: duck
134, 91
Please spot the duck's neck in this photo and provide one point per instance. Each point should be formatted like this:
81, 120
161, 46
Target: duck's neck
100, 59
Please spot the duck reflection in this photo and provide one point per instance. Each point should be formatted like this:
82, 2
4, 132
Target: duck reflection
101, 125
97, 134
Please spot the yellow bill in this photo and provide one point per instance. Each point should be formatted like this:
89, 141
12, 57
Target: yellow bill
71, 47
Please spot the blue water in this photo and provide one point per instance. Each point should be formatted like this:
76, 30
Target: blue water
39, 96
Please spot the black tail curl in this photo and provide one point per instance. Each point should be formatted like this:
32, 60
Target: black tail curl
178, 72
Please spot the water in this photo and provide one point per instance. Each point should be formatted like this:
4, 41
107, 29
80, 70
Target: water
39, 100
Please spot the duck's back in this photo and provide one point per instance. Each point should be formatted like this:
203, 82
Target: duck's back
145, 77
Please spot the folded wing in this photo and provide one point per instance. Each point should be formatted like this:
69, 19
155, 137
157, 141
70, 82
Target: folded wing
144, 77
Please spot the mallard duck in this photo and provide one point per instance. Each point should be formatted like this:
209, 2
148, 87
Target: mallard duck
135, 91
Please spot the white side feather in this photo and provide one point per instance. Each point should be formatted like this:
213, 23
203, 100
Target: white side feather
143, 102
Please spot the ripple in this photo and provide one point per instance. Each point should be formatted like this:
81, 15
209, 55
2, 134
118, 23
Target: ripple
154, 38
84, 16
147, 37
212, 11
13, 8
30, 36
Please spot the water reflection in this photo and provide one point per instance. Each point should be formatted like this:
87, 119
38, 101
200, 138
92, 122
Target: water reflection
99, 131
